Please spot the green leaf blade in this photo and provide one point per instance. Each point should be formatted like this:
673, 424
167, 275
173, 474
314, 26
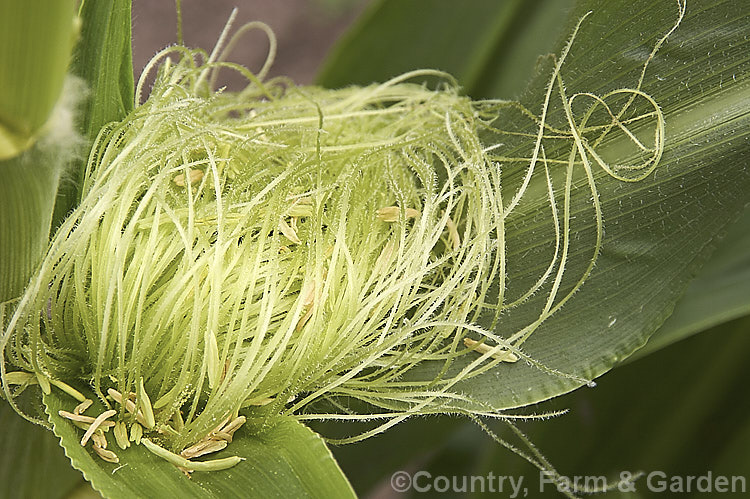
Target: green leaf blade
103, 60
31, 464
374, 48
676, 412
491, 47
719, 293
658, 232
283, 458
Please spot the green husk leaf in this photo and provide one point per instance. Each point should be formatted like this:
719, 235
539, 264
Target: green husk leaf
35, 44
103, 60
283, 458
28, 190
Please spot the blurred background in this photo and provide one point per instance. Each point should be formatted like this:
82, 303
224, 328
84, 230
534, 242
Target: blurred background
305, 30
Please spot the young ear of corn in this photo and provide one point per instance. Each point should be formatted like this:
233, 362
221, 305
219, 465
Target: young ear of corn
36, 39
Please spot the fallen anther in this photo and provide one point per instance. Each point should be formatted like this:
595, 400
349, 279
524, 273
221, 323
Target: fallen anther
221, 435
95, 425
145, 405
81, 408
193, 176
288, 232
392, 213
193, 449
121, 435
136, 432
483, 348
107, 455
99, 439
68, 389
453, 234
234, 425
44, 383
20, 378
209, 447
84, 419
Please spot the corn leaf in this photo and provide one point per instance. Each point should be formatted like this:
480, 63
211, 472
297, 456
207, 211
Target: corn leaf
32, 464
487, 44
103, 59
283, 458
719, 293
658, 232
